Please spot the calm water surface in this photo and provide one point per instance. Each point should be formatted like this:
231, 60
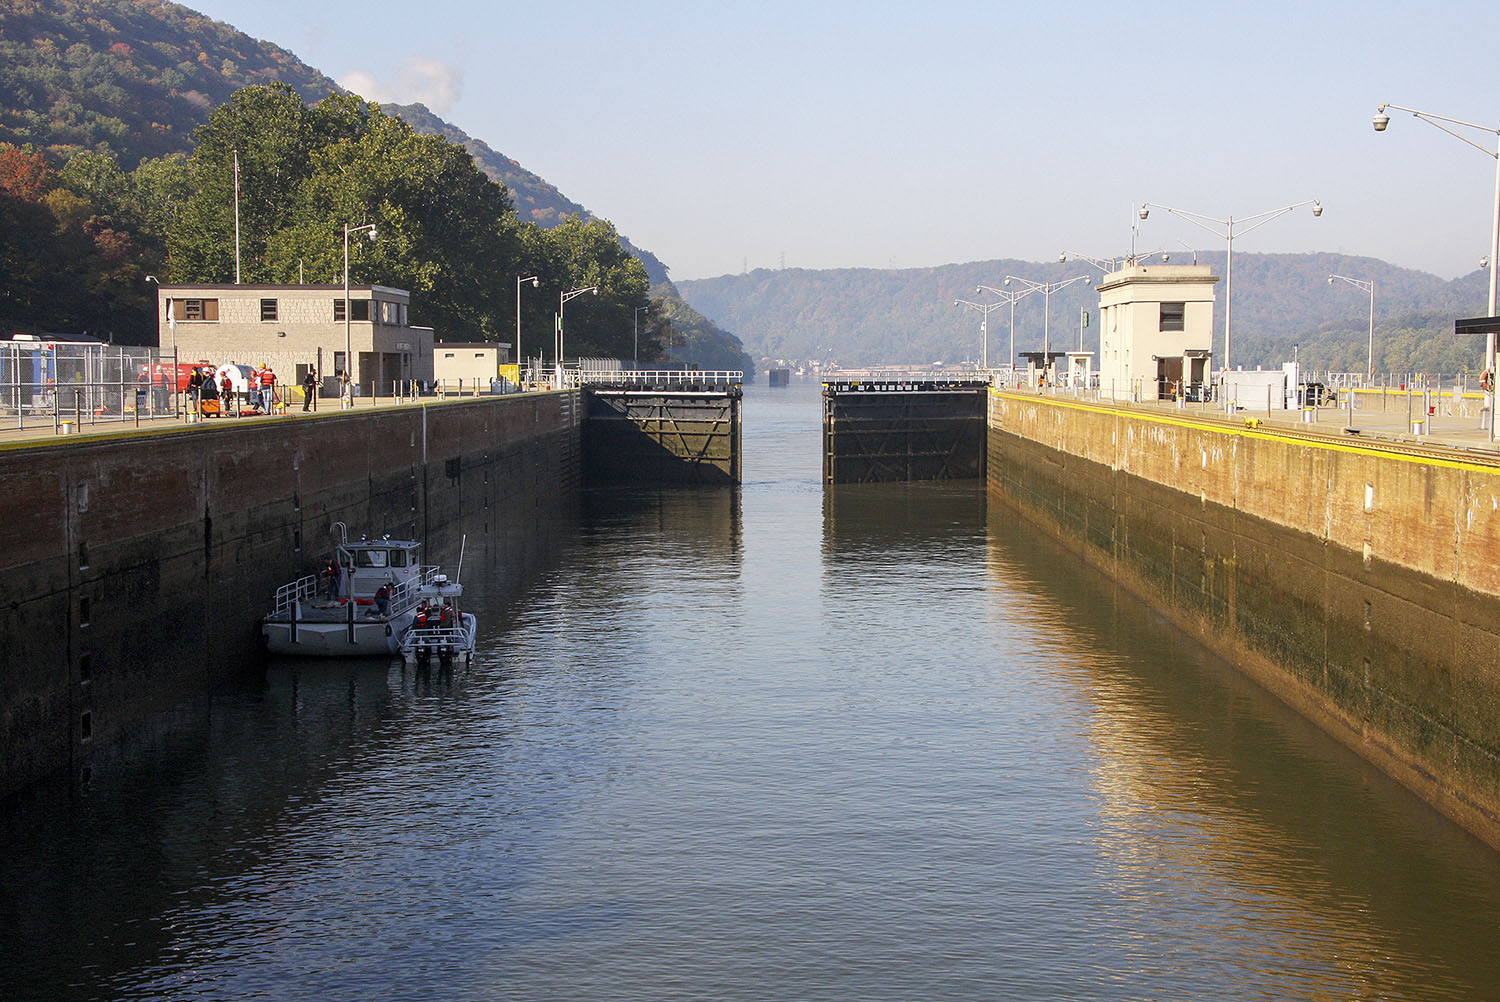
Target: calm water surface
774, 743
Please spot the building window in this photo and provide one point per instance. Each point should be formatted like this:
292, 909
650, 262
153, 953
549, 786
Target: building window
1173, 317
361, 310
195, 309
268, 309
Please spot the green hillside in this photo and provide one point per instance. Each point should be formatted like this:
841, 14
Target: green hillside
859, 317
129, 78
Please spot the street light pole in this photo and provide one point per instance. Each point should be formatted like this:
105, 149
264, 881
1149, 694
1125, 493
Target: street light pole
1010, 296
1110, 264
519, 282
562, 300
1046, 289
636, 357
1381, 121
348, 306
984, 327
1245, 224
1368, 287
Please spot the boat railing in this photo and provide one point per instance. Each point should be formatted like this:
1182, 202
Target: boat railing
408, 592
300, 590
435, 636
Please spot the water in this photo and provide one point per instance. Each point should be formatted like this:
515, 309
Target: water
774, 743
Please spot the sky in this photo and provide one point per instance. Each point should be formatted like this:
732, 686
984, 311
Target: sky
725, 137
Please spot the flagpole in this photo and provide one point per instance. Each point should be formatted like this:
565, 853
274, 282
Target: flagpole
237, 218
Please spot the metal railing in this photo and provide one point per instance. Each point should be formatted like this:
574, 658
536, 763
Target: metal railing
403, 596
66, 384
662, 377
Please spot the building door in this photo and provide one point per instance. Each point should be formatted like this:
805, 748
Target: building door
1168, 377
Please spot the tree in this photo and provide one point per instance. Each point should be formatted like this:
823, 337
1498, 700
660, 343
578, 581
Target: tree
579, 254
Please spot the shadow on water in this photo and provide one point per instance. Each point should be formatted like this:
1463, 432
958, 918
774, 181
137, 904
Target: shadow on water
182, 815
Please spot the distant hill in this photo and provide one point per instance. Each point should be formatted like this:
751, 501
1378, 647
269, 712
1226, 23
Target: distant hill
129, 78
135, 78
860, 317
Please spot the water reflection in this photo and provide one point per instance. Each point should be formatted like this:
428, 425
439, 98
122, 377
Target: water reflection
878, 742
1220, 810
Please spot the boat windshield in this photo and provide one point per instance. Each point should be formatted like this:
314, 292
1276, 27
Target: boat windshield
379, 556
371, 558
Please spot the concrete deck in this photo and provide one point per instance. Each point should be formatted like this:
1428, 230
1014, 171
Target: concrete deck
1453, 426
39, 430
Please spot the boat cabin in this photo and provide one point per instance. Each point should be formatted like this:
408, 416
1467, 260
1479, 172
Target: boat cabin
369, 563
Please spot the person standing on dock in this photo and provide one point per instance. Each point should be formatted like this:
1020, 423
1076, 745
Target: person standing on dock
266, 377
309, 387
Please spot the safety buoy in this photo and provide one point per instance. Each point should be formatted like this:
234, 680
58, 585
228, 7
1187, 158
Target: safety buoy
1487, 381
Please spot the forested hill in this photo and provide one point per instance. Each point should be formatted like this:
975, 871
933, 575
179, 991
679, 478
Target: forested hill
129, 77
535, 199
135, 78
871, 317
93, 88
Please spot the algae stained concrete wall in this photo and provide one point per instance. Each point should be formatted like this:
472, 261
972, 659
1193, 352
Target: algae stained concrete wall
1360, 587
138, 565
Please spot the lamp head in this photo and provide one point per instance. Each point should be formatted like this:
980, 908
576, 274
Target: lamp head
1144, 212
372, 234
1381, 120
1484, 262
1165, 257
1061, 258
153, 278
1317, 208
1330, 279
1006, 282
536, 283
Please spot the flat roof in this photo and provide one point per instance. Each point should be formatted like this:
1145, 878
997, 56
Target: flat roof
231, 287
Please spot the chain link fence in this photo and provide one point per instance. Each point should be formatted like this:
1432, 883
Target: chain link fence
66, 384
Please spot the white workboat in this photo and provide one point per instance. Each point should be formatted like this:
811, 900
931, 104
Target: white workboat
440, 628
363, 607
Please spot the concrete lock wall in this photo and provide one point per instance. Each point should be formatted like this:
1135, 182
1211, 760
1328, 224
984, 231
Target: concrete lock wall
138, 565
1362, 588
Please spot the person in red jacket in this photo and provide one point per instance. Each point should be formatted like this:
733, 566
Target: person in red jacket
267, 379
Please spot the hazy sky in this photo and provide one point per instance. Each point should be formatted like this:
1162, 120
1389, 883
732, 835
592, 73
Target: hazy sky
726, 136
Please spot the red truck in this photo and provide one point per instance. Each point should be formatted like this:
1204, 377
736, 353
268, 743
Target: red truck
161, 374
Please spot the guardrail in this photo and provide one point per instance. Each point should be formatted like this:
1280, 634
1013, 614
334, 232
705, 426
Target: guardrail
660, 377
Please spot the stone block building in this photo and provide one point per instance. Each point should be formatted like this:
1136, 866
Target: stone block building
294, 327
